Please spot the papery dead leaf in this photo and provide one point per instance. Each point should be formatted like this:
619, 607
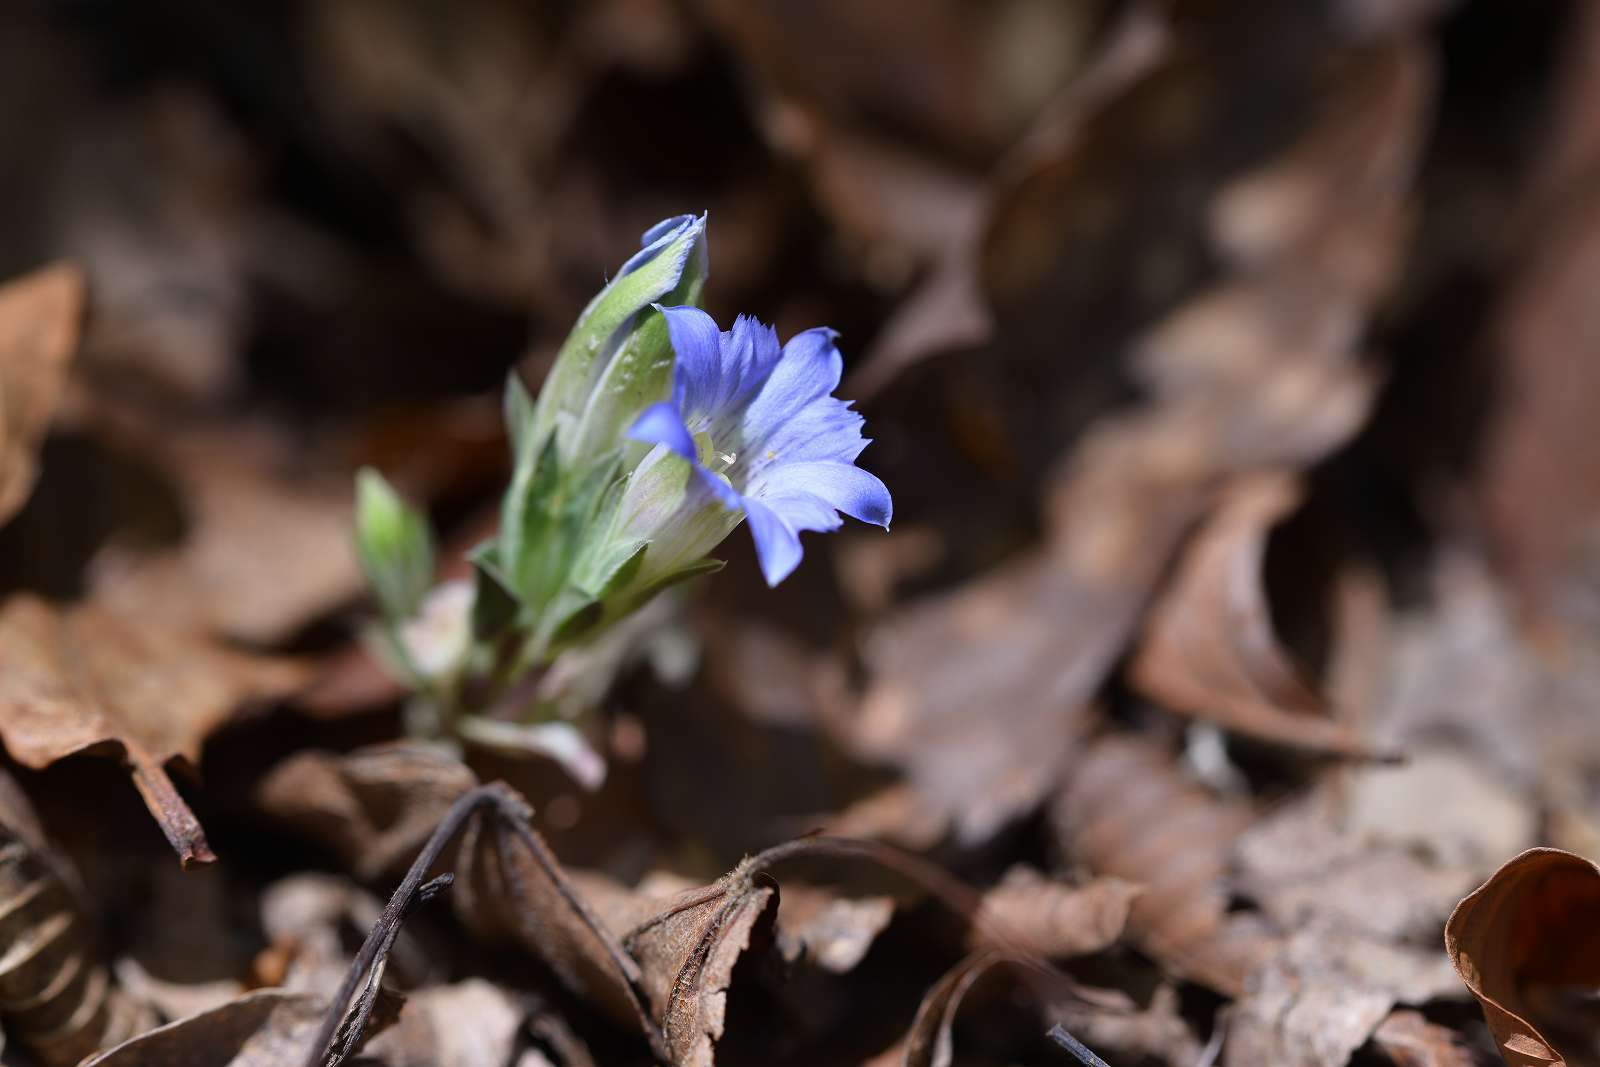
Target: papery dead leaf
686, 954
374, 807
509, 886
57, 998
1033, 640
833, 932
1157, 1029
1410, 1040
1379, 873
267, 1028
39, 323
1322, 993
264, 552
1535, 482
1051, 919
468, 1024
1530, 927
929, 1042
85, 679
1127, 812
1210, 649
1030, 642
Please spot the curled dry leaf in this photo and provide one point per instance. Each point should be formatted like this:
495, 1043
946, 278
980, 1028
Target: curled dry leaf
1127, 812
832, 932
85, 679
930, 1043
1258, 371
39, 323
1410, 1040
683, 948
57, 998
686, 954
1209, 649
1051, 919
1523, 936
373, 807
267, 1028
510, 887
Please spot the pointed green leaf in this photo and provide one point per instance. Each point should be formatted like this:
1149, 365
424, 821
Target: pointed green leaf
394, 544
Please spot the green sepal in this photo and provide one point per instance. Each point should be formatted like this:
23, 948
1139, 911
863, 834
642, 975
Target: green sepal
637, 376
675, 273
637, 598
494, 606
519, 412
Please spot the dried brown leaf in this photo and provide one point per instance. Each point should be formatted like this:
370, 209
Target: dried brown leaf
1380, 873
1210, 650
1535, 483
1157, 1029
686, 954
1323, 992
57, 998
1032, 641
86, 679
831, 931
39, 322
929, 1043
264, 552
1526, 933
1410, 1040
1051, 919
467, 1024
374, 807
267, 1028
510, 887
1127, 812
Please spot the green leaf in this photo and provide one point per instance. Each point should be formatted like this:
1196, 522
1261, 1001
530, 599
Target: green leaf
525, 513
394, 545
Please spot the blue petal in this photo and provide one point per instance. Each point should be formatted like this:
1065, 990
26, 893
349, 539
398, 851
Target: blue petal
857, 493
660, 424
655, 239
697, 372
809, 368
750, 351
777, 543
825, 429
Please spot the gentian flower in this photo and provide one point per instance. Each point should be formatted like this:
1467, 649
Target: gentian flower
765, 438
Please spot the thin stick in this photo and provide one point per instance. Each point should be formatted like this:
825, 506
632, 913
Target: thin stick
384, 931
1059, 1035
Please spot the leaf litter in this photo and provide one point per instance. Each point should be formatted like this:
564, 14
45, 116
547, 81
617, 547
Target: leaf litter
1229, 675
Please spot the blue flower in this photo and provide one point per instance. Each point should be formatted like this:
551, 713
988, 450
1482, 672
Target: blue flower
764, 434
